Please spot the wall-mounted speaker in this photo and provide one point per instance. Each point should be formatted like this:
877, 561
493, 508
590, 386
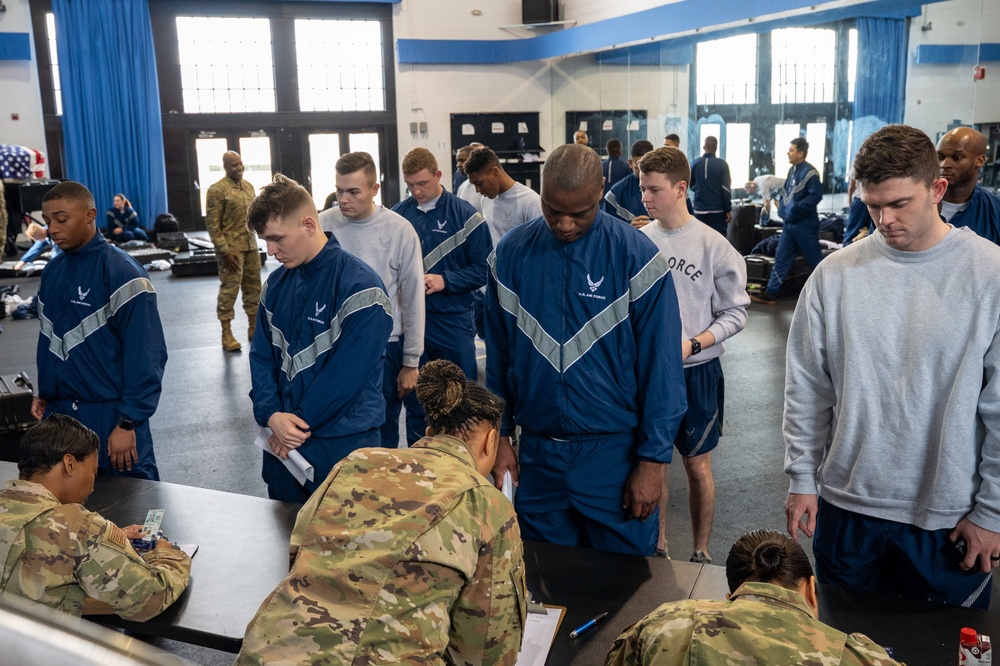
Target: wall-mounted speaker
539, 11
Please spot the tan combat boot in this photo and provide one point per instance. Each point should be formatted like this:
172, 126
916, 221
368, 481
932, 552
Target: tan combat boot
229, 343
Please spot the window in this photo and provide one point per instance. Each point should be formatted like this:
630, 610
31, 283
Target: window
727, 71
852, 62
816, 137
738, 152
226, 64
783, 135
340, 65
50, 31
803, 65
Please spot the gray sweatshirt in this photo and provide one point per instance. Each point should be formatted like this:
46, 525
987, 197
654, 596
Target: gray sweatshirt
892, 396
711, 282
389, 244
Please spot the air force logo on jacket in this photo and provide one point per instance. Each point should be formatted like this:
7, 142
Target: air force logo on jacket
584, 337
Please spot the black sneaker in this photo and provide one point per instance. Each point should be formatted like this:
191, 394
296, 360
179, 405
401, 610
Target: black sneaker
701, 557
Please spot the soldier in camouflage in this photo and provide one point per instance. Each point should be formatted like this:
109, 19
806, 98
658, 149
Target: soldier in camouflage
405, 556
59, 554
770, 618
235, 247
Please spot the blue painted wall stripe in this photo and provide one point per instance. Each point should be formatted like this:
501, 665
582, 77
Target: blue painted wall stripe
649, 24
955, 54
15, 46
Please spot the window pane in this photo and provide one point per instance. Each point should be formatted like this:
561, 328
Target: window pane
50, 32
852, 62
209, 154
816, 136
783, 135
256, 154
738, 152
727, 71
226, 63
340, 63
324, 149
803, 65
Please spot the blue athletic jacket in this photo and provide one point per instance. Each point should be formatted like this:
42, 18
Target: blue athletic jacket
712, 184
982, 215
801, 195
858, 218
614, 169
100, 337
317, 351
456, 243
624, 196
584, 338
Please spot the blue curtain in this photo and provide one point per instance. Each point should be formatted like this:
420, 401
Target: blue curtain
111, 103
879, 87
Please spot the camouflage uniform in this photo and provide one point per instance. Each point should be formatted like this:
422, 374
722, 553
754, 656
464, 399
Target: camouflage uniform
404, 556
762, 624
226, 222
60, 554
3, 220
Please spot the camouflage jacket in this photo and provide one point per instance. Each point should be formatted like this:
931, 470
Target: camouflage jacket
226, 216
59, 554
403, 556
762, 624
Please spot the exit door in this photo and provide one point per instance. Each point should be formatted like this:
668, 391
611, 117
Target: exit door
207, 148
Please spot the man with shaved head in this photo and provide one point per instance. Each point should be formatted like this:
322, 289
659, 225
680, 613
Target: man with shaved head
962, 152
583, 341
236, 250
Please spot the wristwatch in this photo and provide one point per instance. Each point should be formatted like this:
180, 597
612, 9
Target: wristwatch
695, 346
126, 423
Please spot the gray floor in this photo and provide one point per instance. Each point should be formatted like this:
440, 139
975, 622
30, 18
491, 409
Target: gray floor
204, 427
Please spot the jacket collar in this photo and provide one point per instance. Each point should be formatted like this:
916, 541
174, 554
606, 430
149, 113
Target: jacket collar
773, 594
450, 445
30, 488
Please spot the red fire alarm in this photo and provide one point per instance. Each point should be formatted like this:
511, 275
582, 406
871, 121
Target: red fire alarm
15, 116
978, 73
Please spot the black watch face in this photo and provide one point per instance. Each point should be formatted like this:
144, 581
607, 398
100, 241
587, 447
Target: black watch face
126, 424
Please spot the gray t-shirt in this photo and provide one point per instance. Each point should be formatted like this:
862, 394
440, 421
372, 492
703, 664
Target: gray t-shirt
389, 244
710, 278
892, 389
516, 206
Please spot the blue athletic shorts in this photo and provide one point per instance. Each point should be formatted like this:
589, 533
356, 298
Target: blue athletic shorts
701, 428
865, 553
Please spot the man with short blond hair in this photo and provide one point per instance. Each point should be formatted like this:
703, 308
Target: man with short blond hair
387, 243
455, 243
316, 357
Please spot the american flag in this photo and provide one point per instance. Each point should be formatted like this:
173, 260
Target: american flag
18, 163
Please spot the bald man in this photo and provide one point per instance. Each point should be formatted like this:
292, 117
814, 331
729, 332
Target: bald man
580, 138
962, 152
583, 341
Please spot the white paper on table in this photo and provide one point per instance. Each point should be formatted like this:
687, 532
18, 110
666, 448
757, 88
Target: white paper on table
189, 548
507, 486
299, 467
539, 632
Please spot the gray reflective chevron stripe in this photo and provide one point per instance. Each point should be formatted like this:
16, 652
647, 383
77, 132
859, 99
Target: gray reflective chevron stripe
623, 213
322, 343
590, 333
543, 343
801, 184
93, 322
438, 253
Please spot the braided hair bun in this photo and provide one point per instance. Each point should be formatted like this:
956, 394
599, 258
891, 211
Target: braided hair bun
440, 389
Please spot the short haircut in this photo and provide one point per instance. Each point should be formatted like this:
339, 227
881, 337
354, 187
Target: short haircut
417, 159
711, 143
44, 444
669, 161
480, 160
352, 162
572, 167
640, 148
673, 137
800, 144
69, 190
614, 147
281, 198
766, 556
897, 151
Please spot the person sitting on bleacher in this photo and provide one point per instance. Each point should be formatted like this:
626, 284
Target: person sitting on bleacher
769, 618
57, 553
123, 222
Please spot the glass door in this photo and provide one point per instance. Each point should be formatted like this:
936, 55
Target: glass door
208, 148
326, 147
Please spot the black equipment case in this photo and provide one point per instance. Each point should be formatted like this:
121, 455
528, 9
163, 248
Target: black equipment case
16, 394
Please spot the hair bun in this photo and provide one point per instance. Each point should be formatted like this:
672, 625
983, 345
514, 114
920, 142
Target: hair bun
441, 388
768, 558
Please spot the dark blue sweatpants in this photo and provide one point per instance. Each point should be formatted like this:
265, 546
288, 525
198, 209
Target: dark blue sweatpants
799, 238
102, 418
323, 454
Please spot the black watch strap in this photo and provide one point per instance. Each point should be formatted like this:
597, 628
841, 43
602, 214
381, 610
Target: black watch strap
695, 346
126, 423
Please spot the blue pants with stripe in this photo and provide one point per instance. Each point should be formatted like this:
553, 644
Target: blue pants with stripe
799, 238
570, 493
451, 337
102, 418
322, 453
864, 553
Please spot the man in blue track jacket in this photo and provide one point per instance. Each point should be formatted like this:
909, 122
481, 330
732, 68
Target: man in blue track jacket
800, 221
962, 153
712, 186
101, 351
583, 342
456, 243
624, 199
316, 356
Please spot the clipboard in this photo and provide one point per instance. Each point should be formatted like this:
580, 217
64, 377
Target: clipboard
540, 632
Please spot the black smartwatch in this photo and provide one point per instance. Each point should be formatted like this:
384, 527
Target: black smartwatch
695, 346
126, 423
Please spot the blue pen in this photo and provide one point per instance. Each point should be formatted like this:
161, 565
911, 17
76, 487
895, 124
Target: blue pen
587, 625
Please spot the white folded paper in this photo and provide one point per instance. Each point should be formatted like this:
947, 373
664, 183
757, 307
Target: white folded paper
507, 486
299, 467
